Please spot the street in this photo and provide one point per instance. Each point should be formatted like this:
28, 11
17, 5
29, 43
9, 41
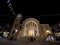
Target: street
7, 42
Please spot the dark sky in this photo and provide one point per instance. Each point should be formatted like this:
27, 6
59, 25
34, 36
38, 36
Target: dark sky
45, 13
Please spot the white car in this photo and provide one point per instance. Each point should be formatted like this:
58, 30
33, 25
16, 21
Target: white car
50, 38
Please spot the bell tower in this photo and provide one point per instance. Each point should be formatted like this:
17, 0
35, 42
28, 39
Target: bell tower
15, 28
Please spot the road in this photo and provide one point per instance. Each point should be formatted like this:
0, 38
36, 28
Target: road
7, 42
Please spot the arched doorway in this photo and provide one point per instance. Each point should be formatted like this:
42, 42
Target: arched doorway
30, 27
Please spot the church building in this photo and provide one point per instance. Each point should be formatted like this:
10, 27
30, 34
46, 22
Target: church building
30, 27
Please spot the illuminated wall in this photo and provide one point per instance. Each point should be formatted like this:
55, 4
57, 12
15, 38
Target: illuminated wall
46, 29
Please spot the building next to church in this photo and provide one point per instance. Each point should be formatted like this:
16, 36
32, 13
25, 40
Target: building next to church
30, 27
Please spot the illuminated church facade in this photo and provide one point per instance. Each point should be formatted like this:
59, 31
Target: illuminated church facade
30, 27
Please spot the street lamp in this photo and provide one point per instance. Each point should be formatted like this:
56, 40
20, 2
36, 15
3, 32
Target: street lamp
48, 32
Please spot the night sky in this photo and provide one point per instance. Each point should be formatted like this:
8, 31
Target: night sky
30, 9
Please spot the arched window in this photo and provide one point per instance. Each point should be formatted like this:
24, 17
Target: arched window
30, 26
